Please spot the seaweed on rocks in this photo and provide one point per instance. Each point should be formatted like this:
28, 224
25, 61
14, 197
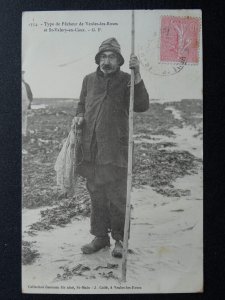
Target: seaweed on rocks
29, 255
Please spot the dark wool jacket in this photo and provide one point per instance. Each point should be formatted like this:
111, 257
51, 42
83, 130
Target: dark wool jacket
104, 102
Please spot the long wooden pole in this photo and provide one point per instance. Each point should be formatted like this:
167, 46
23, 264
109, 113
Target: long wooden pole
129, 167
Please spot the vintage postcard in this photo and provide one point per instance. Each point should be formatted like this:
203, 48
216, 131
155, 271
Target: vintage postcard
112, 152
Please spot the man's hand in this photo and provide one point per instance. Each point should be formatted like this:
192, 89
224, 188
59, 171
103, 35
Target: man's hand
77, 121
135, 65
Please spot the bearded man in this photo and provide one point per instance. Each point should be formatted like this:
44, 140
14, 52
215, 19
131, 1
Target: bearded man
103, 113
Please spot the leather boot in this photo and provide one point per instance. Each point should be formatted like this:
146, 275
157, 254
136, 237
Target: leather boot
96, 244
118, 249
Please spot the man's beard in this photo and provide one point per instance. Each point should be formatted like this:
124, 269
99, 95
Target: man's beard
107, 68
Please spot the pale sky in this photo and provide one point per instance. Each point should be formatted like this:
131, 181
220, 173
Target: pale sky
56, 62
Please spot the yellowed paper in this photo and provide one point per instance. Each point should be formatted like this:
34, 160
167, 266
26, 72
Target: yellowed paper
166, 235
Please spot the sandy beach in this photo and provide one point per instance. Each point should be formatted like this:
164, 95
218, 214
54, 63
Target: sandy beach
165, 246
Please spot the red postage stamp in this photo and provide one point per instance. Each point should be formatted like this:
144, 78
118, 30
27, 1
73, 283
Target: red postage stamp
179, 39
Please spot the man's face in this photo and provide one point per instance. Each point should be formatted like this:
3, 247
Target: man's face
109, 62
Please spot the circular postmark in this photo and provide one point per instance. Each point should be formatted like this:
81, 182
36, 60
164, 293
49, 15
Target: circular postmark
150, 60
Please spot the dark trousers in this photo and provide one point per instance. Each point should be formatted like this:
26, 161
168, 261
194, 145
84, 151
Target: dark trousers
108, 207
